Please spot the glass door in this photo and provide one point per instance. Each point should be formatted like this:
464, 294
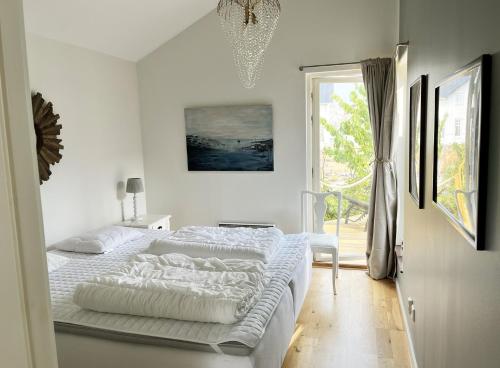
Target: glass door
343, 156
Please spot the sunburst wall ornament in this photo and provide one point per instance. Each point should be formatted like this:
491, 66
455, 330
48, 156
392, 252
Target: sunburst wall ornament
249, 26
47, 132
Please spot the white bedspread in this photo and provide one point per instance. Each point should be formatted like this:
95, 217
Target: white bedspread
220, 242
248, 331
177, 286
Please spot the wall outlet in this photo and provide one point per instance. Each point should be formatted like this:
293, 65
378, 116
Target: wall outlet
412, 314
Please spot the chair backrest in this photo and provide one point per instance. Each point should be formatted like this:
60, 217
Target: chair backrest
319, 210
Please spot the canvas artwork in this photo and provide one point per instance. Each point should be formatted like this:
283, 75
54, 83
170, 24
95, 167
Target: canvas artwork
230, 138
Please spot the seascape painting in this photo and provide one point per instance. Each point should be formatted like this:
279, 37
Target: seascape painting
230, 138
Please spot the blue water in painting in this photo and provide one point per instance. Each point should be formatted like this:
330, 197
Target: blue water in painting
205, 154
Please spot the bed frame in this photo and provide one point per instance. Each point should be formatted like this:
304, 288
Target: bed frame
81, 349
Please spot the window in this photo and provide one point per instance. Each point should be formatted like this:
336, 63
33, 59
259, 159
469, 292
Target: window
342, 150
458, 127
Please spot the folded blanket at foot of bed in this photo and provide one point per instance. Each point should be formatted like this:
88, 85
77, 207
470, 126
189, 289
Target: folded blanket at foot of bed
220, 242
177, 286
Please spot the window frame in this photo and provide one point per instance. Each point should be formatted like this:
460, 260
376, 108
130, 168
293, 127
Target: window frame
342, 74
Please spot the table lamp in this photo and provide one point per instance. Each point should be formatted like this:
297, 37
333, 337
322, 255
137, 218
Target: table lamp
134, 186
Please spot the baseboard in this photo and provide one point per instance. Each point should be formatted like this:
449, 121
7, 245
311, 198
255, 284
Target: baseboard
404, 314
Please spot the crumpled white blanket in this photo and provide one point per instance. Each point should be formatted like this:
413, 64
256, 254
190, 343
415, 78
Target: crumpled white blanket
220, 242
177, 286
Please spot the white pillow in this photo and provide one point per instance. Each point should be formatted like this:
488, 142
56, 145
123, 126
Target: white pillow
99, 241
55, 261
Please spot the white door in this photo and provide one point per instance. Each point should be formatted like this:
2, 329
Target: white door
342, 152
15, 348
26, 329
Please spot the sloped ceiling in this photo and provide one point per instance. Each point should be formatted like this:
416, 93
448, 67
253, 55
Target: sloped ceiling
128, 29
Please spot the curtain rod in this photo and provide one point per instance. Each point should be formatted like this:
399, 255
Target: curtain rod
302, 67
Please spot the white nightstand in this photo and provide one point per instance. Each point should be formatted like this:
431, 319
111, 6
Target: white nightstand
153, 222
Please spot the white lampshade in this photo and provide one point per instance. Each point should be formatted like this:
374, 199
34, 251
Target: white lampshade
135, 185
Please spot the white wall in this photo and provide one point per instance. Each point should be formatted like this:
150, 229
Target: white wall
96, 97
196, 69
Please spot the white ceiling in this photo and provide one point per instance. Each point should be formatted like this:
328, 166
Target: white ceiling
129, 29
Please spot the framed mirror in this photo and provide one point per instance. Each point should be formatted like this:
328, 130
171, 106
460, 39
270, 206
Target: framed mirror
461, 148
417, 131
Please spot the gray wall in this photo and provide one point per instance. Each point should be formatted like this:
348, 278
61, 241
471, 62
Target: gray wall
196, 69
456, 289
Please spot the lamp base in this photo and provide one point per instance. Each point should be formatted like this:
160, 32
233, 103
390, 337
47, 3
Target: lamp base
135, 218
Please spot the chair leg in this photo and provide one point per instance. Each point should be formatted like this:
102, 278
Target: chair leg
334, 271
337, 263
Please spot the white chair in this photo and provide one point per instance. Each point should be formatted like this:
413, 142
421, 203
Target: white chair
319, 241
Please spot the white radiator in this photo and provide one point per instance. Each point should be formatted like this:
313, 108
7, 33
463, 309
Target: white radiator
246, 224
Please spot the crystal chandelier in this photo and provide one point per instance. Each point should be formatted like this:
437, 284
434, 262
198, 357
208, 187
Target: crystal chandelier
249, 26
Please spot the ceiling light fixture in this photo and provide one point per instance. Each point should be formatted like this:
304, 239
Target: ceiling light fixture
249, 26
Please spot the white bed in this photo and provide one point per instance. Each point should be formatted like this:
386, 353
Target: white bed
86, 338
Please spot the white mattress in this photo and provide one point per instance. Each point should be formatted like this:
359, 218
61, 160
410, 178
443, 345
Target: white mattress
248, 332
80, 351
300, 282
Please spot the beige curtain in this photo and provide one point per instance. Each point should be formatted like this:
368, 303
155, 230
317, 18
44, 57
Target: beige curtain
379, 80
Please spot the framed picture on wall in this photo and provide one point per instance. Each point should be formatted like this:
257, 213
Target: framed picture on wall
230, 138
461, 148
418, 118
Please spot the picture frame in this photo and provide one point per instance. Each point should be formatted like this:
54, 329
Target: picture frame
230, 138
417, 140
461, 129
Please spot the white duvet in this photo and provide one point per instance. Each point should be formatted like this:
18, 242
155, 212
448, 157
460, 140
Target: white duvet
220, 242
177, 286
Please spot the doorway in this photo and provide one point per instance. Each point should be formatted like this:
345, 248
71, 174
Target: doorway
342, 153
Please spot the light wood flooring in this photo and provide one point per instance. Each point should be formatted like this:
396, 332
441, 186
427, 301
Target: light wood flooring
360, 327
352, 241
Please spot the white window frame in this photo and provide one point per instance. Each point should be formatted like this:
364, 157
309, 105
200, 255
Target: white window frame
350, 73
343, 74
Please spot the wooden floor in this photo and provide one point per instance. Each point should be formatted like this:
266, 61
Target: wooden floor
360, 327
352, 241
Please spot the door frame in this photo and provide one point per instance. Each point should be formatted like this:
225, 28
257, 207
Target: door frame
341, 73
28, 340
15, 347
